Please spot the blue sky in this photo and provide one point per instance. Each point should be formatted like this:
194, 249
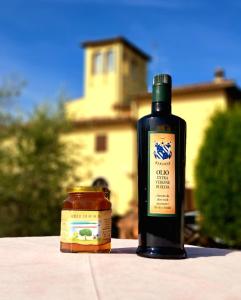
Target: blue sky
39, 40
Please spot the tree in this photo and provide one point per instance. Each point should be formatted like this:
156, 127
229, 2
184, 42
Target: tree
34, 168
85, 232
218, 178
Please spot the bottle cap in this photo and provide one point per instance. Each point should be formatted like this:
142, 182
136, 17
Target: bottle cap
162, 88
161, 79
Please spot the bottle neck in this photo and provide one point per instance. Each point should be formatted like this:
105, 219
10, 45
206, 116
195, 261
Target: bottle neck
161, 98
161, 108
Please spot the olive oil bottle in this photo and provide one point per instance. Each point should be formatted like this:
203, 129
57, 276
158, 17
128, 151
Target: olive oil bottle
161, 176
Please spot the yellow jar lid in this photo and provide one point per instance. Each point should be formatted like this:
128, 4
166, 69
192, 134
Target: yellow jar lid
84, 189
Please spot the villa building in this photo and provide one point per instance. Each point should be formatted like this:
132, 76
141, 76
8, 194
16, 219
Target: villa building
115, 97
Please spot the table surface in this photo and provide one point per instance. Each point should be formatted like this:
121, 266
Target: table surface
34, 268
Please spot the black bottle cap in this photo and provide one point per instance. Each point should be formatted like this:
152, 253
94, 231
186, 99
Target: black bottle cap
162, 88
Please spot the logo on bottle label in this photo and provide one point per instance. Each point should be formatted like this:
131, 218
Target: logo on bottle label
85, 227
163, 150
161, 171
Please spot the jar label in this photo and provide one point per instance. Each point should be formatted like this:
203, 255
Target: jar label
161, 174
86, 227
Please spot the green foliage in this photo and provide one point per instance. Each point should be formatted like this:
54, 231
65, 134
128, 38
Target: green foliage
218, 178
34, 171
85, 232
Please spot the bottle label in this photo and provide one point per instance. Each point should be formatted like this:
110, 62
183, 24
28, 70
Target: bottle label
161, 177
86, 227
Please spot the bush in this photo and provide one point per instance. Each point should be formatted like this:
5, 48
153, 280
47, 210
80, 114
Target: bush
218, 178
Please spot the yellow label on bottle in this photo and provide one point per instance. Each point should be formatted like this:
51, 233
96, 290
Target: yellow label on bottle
161, 168
86, 227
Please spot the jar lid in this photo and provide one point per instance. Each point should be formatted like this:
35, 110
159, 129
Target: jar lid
84, 189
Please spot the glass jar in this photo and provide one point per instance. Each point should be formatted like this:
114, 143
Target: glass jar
86, 221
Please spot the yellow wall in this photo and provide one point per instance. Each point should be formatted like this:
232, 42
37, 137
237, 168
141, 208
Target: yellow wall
132, 85
196, 109
117, 165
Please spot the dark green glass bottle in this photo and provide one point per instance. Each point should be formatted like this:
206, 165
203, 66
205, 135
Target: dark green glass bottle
161, 176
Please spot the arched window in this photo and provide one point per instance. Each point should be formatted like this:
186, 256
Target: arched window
110, 61
100, 181
97, 63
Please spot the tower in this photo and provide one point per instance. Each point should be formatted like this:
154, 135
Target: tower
115, 69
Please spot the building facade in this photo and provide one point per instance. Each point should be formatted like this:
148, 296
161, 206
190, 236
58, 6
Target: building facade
115, 97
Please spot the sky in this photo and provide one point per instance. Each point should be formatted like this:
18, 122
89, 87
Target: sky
40, 40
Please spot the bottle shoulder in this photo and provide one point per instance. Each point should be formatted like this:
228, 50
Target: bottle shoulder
169, 117
179, 119
144, 118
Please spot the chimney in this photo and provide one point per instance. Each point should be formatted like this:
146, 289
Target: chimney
219, 75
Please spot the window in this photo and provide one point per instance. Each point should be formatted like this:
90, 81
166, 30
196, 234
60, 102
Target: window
100, 181
101, 143
109, 61
97, 63
134, 69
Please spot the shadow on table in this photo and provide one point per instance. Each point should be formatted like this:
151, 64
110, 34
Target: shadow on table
192, 252
127, 250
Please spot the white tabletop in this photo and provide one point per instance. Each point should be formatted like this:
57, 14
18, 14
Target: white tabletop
34, 268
